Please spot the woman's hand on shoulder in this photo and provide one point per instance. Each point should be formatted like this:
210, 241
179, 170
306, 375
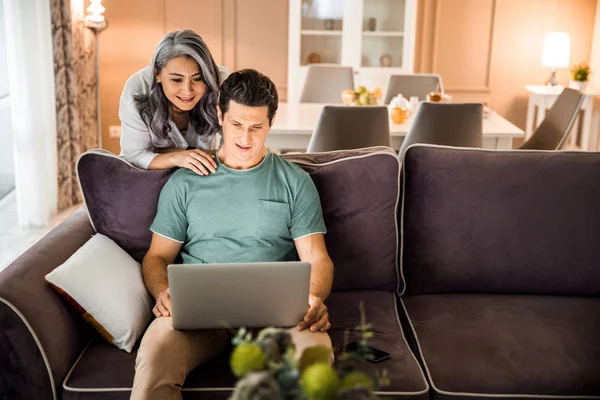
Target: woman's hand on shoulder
199, 161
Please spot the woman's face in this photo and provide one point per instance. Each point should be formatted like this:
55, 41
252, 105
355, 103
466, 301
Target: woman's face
182, 83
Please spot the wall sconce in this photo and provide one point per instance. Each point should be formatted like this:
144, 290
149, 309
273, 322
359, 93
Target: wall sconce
95, 16
95, 21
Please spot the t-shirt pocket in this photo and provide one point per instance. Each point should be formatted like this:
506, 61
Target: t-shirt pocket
274, 219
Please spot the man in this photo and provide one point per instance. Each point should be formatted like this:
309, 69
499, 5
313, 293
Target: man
254, 207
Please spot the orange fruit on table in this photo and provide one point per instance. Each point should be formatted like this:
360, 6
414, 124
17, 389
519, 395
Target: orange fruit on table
348, 96
377, 93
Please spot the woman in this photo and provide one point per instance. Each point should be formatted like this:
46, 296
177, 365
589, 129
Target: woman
168, 109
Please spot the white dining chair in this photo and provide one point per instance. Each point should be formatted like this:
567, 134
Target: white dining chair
325, 83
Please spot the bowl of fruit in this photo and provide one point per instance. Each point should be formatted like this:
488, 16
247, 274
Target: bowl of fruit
361, 96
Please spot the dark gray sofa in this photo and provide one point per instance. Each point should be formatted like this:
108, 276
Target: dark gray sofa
501, 256
48, 352
499, 276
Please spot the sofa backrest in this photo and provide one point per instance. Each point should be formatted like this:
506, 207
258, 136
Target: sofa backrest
121, 198
500, 221
358, 191
359, 196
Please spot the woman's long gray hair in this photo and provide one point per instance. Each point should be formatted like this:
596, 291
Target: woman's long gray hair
154, 106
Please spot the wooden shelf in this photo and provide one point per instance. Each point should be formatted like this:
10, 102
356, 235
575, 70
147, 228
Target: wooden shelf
384, 34
321, 33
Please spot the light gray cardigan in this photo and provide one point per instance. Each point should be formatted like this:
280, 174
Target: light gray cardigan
137, 141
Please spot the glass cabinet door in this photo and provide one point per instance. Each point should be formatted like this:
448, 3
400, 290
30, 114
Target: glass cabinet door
321, 31
383, 33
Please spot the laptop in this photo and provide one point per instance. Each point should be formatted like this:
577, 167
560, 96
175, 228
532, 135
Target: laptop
252, 295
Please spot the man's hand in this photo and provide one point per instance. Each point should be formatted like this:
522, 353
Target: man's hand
317, 317
163, 304
311, 248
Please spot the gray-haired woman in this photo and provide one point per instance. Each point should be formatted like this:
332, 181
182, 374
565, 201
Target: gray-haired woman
168, 109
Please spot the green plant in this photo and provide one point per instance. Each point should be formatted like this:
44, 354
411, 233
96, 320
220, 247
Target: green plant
268, 369
580, 72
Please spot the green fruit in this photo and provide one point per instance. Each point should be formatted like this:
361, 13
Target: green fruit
357, 378
320, 382
372, 101
246, 358
363, 99
361, 89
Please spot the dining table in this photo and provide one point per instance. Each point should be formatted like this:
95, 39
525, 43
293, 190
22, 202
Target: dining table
295, 123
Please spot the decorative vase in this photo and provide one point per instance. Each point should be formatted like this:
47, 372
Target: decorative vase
579, 85
386, 60
314, 58
372, 24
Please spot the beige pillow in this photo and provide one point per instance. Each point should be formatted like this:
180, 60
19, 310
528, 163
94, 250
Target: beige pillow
105, 285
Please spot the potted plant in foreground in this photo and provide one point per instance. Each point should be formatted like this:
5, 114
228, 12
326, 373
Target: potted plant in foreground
580, 75
268, 370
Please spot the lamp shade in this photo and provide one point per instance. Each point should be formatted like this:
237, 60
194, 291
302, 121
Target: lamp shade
557, 50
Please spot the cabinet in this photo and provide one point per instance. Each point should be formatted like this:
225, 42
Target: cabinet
374, 37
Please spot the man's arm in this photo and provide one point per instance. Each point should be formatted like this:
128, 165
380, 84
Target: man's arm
162, 252
312, 249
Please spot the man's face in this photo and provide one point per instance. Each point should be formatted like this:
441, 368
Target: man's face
182, 83
245, 129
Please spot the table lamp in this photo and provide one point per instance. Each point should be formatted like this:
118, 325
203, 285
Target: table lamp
556, 53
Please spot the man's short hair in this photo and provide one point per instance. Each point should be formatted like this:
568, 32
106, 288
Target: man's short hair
250, 88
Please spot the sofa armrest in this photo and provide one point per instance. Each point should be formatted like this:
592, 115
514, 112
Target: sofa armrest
40, 336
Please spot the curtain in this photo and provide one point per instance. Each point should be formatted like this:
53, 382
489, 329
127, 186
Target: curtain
75, 73
31, 84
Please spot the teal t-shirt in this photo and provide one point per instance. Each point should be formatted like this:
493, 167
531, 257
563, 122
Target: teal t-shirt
239, 215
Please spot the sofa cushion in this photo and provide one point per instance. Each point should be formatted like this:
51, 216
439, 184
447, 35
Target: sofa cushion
121, 198
359, 197
406, 377
500, 221
91, 379
105, 286
487, 345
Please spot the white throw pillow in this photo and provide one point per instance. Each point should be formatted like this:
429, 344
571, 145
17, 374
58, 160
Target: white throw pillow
106, 286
